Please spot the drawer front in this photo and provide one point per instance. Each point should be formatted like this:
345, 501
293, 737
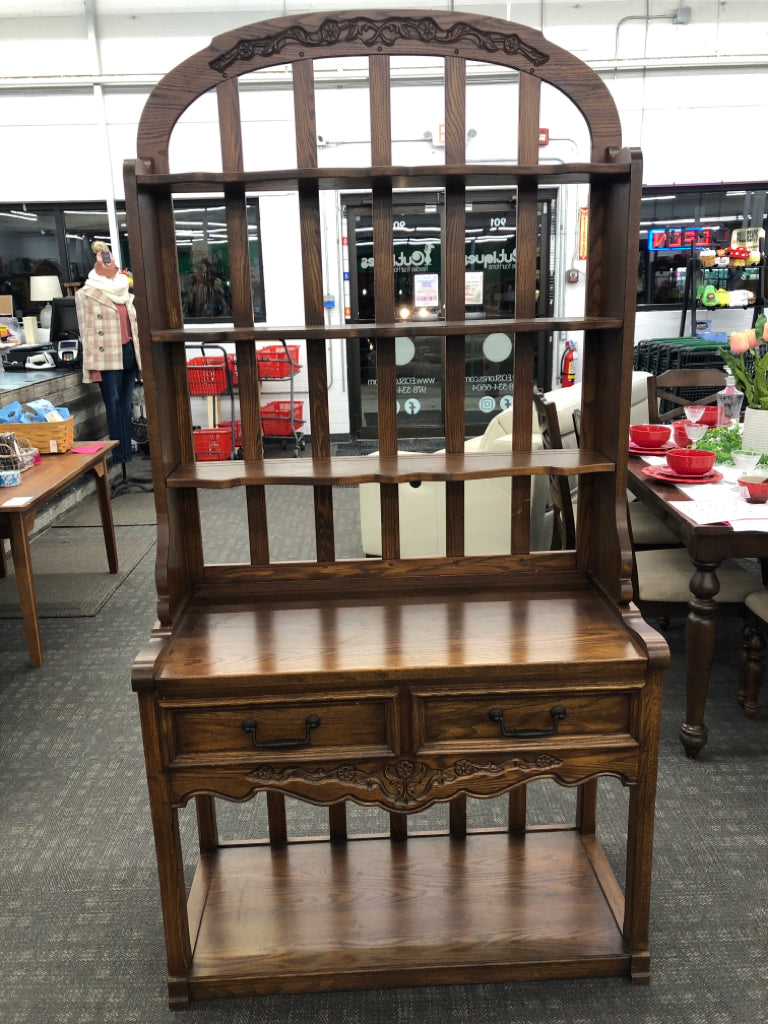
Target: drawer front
280, 729
500, 720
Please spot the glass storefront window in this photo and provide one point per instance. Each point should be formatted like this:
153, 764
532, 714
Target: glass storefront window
490, 263
679, 221
201, 241
30, 243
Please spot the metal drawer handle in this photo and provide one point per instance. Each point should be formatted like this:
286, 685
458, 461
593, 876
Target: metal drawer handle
311, 722
557, 713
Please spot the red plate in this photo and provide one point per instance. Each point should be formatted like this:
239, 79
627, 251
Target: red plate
665, 475
635, 449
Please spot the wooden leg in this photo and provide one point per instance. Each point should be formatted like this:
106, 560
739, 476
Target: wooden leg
22, 566
105, 508
751, 667
586, 807
700, 633
170, 861
3, 563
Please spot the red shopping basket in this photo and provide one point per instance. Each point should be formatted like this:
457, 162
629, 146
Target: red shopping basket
212, 444
278, 420
238, 430
207, 376
276, 362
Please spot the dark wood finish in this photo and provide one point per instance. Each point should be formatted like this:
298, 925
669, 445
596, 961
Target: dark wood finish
664, 388
395, 683
18, 509
708, 546
435, 329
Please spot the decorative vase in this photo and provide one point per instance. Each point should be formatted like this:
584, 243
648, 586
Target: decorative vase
755, 436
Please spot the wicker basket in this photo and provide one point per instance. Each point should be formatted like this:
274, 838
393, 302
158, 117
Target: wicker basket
49, 438
21, 460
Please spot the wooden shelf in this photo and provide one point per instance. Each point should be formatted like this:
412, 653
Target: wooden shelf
429, 176
424, 328
378, 469
280, 920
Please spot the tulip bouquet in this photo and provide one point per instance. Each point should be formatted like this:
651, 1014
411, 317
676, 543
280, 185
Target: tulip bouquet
752, 373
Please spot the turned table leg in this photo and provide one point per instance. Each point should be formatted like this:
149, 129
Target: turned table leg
751, 667
700, 632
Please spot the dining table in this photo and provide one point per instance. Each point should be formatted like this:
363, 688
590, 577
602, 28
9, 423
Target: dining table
714, 521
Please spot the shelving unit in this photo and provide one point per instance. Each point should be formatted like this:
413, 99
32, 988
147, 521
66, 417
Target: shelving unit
719, 277
394, 683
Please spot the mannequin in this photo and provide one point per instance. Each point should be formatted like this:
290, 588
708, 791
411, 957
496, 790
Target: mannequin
109, 336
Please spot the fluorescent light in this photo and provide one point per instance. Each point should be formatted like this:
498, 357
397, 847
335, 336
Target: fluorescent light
19, 216
655, 199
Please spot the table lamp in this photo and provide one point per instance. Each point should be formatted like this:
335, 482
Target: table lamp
42, 289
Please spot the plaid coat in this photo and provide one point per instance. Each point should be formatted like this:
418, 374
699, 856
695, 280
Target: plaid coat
99, 324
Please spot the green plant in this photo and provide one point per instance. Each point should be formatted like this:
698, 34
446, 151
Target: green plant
723, 441
751, 374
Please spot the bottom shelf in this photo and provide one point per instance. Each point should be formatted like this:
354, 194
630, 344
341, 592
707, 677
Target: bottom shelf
428, 910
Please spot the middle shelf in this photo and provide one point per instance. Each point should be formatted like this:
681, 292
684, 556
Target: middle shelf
405, 467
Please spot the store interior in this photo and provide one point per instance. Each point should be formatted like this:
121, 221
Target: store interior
296, 474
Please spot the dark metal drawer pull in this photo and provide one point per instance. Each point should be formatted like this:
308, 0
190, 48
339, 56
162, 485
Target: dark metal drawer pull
311, 722
497, 715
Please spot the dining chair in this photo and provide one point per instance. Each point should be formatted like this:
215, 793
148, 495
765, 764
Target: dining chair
646, 529
752, 654
670, 391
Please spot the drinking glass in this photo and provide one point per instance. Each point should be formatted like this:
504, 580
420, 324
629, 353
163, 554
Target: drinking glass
745, 462
695, 430
694, 412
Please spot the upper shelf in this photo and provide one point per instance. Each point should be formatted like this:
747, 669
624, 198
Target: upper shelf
397, 469
430, 175
219, 334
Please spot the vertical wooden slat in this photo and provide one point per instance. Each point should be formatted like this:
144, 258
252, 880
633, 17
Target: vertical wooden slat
231, 140
453, 287
384, 294
516, 812
398, 825
457, 816
337, 822
312, 265
278, 828
525, 305
207, 830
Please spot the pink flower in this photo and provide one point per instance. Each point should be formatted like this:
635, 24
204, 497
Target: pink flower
765, 331
740, 341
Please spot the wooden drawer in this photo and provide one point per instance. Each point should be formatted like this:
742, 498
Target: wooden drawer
501, 720
279, 728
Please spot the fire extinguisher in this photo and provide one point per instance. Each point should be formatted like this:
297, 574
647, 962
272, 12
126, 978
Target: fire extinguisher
568, 365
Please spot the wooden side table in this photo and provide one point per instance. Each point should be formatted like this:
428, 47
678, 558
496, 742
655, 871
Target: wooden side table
18, 508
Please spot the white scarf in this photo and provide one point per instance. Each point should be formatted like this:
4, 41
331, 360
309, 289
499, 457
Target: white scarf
116, 288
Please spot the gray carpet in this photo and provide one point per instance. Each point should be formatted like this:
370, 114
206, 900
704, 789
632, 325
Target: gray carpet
71, 572
79, 910
133, 509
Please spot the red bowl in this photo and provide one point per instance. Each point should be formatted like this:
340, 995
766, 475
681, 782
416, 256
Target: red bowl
681, 438
649, 435
690, 461
709, 418
757, 486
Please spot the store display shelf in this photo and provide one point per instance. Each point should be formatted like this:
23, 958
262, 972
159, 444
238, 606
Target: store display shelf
403, 468
424, 328
400, 177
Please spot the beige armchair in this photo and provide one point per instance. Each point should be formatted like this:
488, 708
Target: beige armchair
487, 502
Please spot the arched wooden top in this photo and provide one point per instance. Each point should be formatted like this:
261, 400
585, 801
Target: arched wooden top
395, 33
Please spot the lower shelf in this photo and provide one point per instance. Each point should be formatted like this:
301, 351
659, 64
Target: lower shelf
427, 910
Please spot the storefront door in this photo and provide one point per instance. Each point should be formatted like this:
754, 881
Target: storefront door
490, 261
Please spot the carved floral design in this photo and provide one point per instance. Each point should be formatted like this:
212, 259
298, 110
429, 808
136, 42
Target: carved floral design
377, 33
403, 783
